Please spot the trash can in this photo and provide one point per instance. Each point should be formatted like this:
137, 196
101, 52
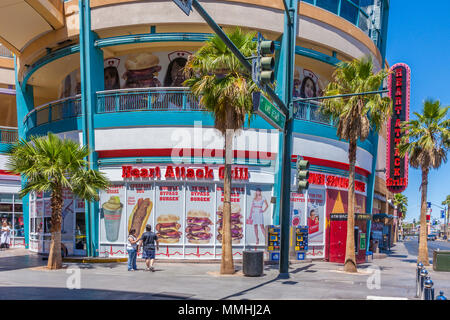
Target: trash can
441, 260
253, 263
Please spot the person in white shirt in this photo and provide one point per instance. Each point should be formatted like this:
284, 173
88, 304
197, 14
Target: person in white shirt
132, 250
5, 234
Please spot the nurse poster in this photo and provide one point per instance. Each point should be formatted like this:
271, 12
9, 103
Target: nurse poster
316, 216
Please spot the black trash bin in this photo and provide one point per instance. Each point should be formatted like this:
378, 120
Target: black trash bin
253, 263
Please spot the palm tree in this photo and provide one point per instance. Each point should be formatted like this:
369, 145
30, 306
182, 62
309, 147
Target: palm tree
426, 140
50, 164
356, 116
401, 204
225, 88
446, 202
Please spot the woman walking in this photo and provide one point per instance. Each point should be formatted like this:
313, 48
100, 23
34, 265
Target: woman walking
5, 234
132, 250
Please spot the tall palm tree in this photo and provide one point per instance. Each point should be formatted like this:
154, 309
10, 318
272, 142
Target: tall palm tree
426, 140
446, 202
51, 164
401, 204
225, 88
356, 116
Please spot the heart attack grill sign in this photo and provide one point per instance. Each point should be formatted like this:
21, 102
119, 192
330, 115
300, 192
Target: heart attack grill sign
399, 81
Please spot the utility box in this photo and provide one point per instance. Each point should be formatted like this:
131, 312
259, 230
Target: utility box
441, 260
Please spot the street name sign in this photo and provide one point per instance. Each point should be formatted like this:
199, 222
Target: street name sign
264, 108
185, 5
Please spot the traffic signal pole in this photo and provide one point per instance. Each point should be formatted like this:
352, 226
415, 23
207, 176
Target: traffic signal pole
288, 56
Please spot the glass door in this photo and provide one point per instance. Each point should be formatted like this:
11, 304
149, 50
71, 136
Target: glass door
80, 234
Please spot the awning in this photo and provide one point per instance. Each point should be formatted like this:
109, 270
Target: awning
382, 216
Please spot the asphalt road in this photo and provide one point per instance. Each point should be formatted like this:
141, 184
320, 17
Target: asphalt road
413, 246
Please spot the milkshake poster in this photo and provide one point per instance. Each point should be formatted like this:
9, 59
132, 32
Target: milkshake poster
140, 205
112, 214
169, 213
316, 216
199, 214
237, 214
259, 214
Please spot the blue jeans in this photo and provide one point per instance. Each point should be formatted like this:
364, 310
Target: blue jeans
132, 254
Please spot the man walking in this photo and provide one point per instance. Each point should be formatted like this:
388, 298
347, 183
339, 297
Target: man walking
147, 241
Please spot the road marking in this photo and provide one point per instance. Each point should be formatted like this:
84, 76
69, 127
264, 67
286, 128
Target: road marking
385, 298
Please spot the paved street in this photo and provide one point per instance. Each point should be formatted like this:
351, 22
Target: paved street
23, 277
412, 246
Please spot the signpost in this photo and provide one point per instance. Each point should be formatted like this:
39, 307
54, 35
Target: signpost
264, 108
185, 5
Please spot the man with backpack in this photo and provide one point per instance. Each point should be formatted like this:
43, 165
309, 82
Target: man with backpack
148, 241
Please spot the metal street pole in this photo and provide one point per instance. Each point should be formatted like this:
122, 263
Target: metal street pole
289, 32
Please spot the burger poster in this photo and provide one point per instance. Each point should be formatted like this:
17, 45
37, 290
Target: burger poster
113, 215
259, 214
169, 213
316, 216
237, 214
199, 214
140, 69
139, 207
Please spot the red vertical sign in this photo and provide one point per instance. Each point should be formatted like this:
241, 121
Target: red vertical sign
396, 166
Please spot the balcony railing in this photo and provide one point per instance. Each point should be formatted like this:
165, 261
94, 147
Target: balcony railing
148, 99
4, 52
310, 111
145, 99
57, 110
8, 135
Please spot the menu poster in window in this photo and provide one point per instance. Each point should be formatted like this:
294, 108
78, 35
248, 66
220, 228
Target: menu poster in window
39, 208
79, 205
297, 209
112, 216
67, 216
139, 207
258, 214
47, 208
237, 214
316, 216
169, 213
32, 208
199, 214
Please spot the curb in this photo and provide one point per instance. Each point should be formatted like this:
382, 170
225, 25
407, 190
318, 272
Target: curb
95, 260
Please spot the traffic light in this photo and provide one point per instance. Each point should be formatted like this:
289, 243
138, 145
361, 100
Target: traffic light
264, 65
302, 174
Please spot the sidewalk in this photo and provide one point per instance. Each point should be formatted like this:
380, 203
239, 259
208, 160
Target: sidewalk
23, 277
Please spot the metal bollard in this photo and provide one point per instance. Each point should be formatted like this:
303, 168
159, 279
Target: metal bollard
441, 296
419, 268
428, 291
423, 274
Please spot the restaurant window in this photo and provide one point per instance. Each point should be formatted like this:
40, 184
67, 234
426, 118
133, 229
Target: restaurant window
349, 11
329, 5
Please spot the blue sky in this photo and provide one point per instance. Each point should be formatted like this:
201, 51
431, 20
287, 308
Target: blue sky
419, 35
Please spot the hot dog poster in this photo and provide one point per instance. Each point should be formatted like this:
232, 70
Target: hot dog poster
112, 214
315, 216
237, 214
141, 69
199, 214
258, 215
140, 207
169, 213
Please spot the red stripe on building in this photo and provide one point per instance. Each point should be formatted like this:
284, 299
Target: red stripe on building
332, 164
181, 152
7, 173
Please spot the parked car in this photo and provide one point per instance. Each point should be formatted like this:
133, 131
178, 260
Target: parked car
432, 237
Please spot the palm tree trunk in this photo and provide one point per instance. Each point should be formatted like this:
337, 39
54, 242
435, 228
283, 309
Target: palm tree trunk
227, 265
54, 258
350, 258
423, 246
